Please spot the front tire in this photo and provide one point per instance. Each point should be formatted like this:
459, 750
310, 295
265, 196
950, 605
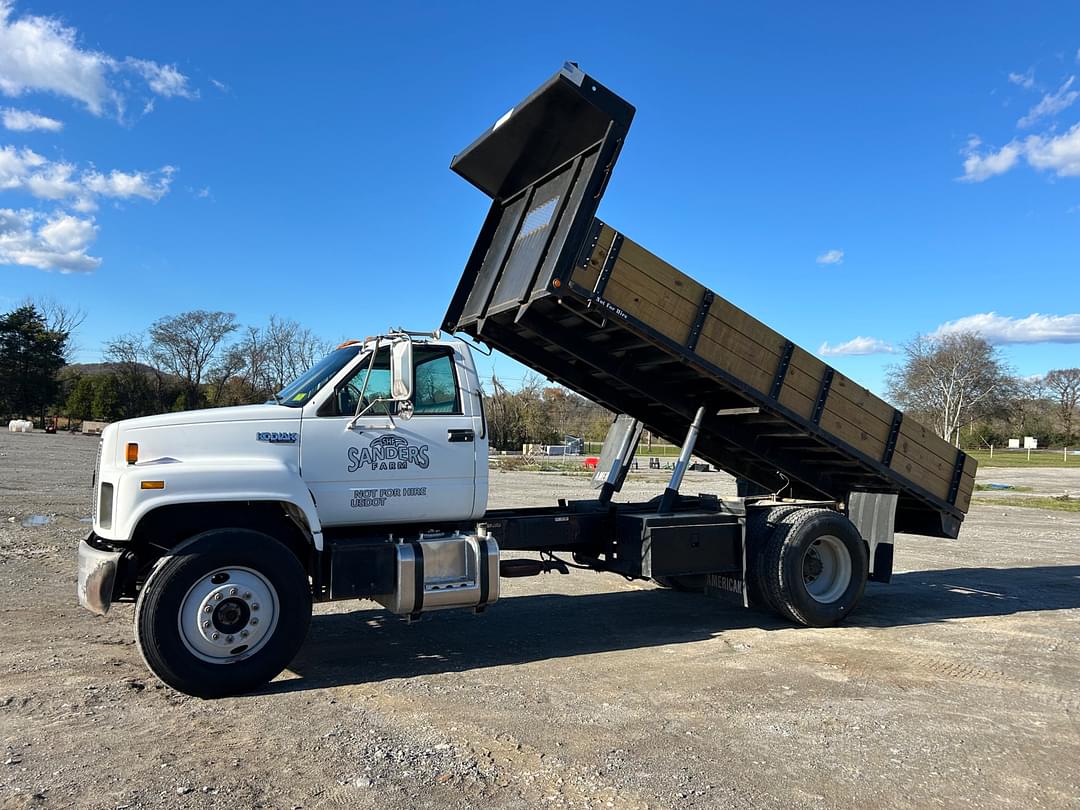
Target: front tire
223, 613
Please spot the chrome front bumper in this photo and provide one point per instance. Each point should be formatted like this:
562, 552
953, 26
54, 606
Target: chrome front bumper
97, 574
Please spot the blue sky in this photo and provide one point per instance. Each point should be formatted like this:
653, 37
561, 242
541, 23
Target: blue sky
846, 172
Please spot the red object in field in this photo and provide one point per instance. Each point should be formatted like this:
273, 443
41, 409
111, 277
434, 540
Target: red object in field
591, 462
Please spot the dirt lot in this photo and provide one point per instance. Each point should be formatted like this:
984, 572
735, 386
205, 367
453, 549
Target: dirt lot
956, 685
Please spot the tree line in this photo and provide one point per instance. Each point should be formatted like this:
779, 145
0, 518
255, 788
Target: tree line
958, 384
194, 359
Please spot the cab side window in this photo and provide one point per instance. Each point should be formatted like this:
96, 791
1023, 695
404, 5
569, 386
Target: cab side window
435, 390
377, 376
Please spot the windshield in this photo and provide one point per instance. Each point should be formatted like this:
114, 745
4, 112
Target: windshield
304, 387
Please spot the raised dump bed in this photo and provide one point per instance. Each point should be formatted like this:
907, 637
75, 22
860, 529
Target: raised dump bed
570, 296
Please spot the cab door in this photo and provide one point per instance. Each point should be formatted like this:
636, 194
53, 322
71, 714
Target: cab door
387, 469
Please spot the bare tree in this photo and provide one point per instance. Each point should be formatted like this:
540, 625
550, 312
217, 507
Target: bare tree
143, 387
186, 345
950, 380
228, 367
289, 350
1065, 385
60, 318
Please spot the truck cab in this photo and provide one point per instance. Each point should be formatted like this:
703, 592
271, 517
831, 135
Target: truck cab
334, 482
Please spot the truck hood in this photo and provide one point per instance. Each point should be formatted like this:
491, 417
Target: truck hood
237, 413
246, 432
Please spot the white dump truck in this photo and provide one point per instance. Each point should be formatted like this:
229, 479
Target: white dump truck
367, 477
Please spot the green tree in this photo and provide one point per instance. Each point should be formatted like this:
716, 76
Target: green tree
30, 356
107, 398
80, 402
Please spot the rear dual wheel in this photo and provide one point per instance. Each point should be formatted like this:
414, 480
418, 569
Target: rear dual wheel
808, 565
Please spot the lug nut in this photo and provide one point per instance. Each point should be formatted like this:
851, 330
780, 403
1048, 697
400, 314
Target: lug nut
254, 621
206, 624
232, 591
217, 597
216, 636
229, 639
247, 594
243, 634
208, 609
255, 606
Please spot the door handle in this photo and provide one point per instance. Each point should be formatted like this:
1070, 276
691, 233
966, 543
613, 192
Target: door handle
463, 435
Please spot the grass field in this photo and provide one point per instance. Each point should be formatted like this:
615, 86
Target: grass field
1019, 458
1062, 504
658, 450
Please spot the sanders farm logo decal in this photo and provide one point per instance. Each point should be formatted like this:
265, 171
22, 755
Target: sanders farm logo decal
388, 453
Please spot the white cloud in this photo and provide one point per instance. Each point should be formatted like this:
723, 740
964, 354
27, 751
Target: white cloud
1051, 104
979, 167
224, 88
16, 165
1001, 329
53, 181
1058, 153
165, 80
831, 257
41, 54
1025, 79
26, 121
856, 346
148, 185
58, 244
68, 233
25, 170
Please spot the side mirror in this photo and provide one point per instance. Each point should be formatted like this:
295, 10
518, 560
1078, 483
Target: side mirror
401, 370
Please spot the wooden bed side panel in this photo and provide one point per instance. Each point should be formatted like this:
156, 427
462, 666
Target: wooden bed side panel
668, 301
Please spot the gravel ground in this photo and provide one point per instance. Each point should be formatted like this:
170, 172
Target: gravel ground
956, 685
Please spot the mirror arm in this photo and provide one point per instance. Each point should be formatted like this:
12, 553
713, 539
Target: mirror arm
363, 390
372, 404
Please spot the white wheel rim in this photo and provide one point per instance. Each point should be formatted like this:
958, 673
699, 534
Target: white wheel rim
228, 615
826, 569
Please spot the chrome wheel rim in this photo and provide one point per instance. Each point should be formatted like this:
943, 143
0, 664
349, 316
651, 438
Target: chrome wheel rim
228, 614
826, 569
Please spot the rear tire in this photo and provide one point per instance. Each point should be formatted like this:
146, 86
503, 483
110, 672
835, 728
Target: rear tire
760, 525
223, 613
813, 567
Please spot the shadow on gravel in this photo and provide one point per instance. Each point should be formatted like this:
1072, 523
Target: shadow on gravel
372, 645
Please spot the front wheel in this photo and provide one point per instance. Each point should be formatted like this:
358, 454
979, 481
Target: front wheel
223, 613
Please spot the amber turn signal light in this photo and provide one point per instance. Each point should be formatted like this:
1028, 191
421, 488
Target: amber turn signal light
132, 452
152, 485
